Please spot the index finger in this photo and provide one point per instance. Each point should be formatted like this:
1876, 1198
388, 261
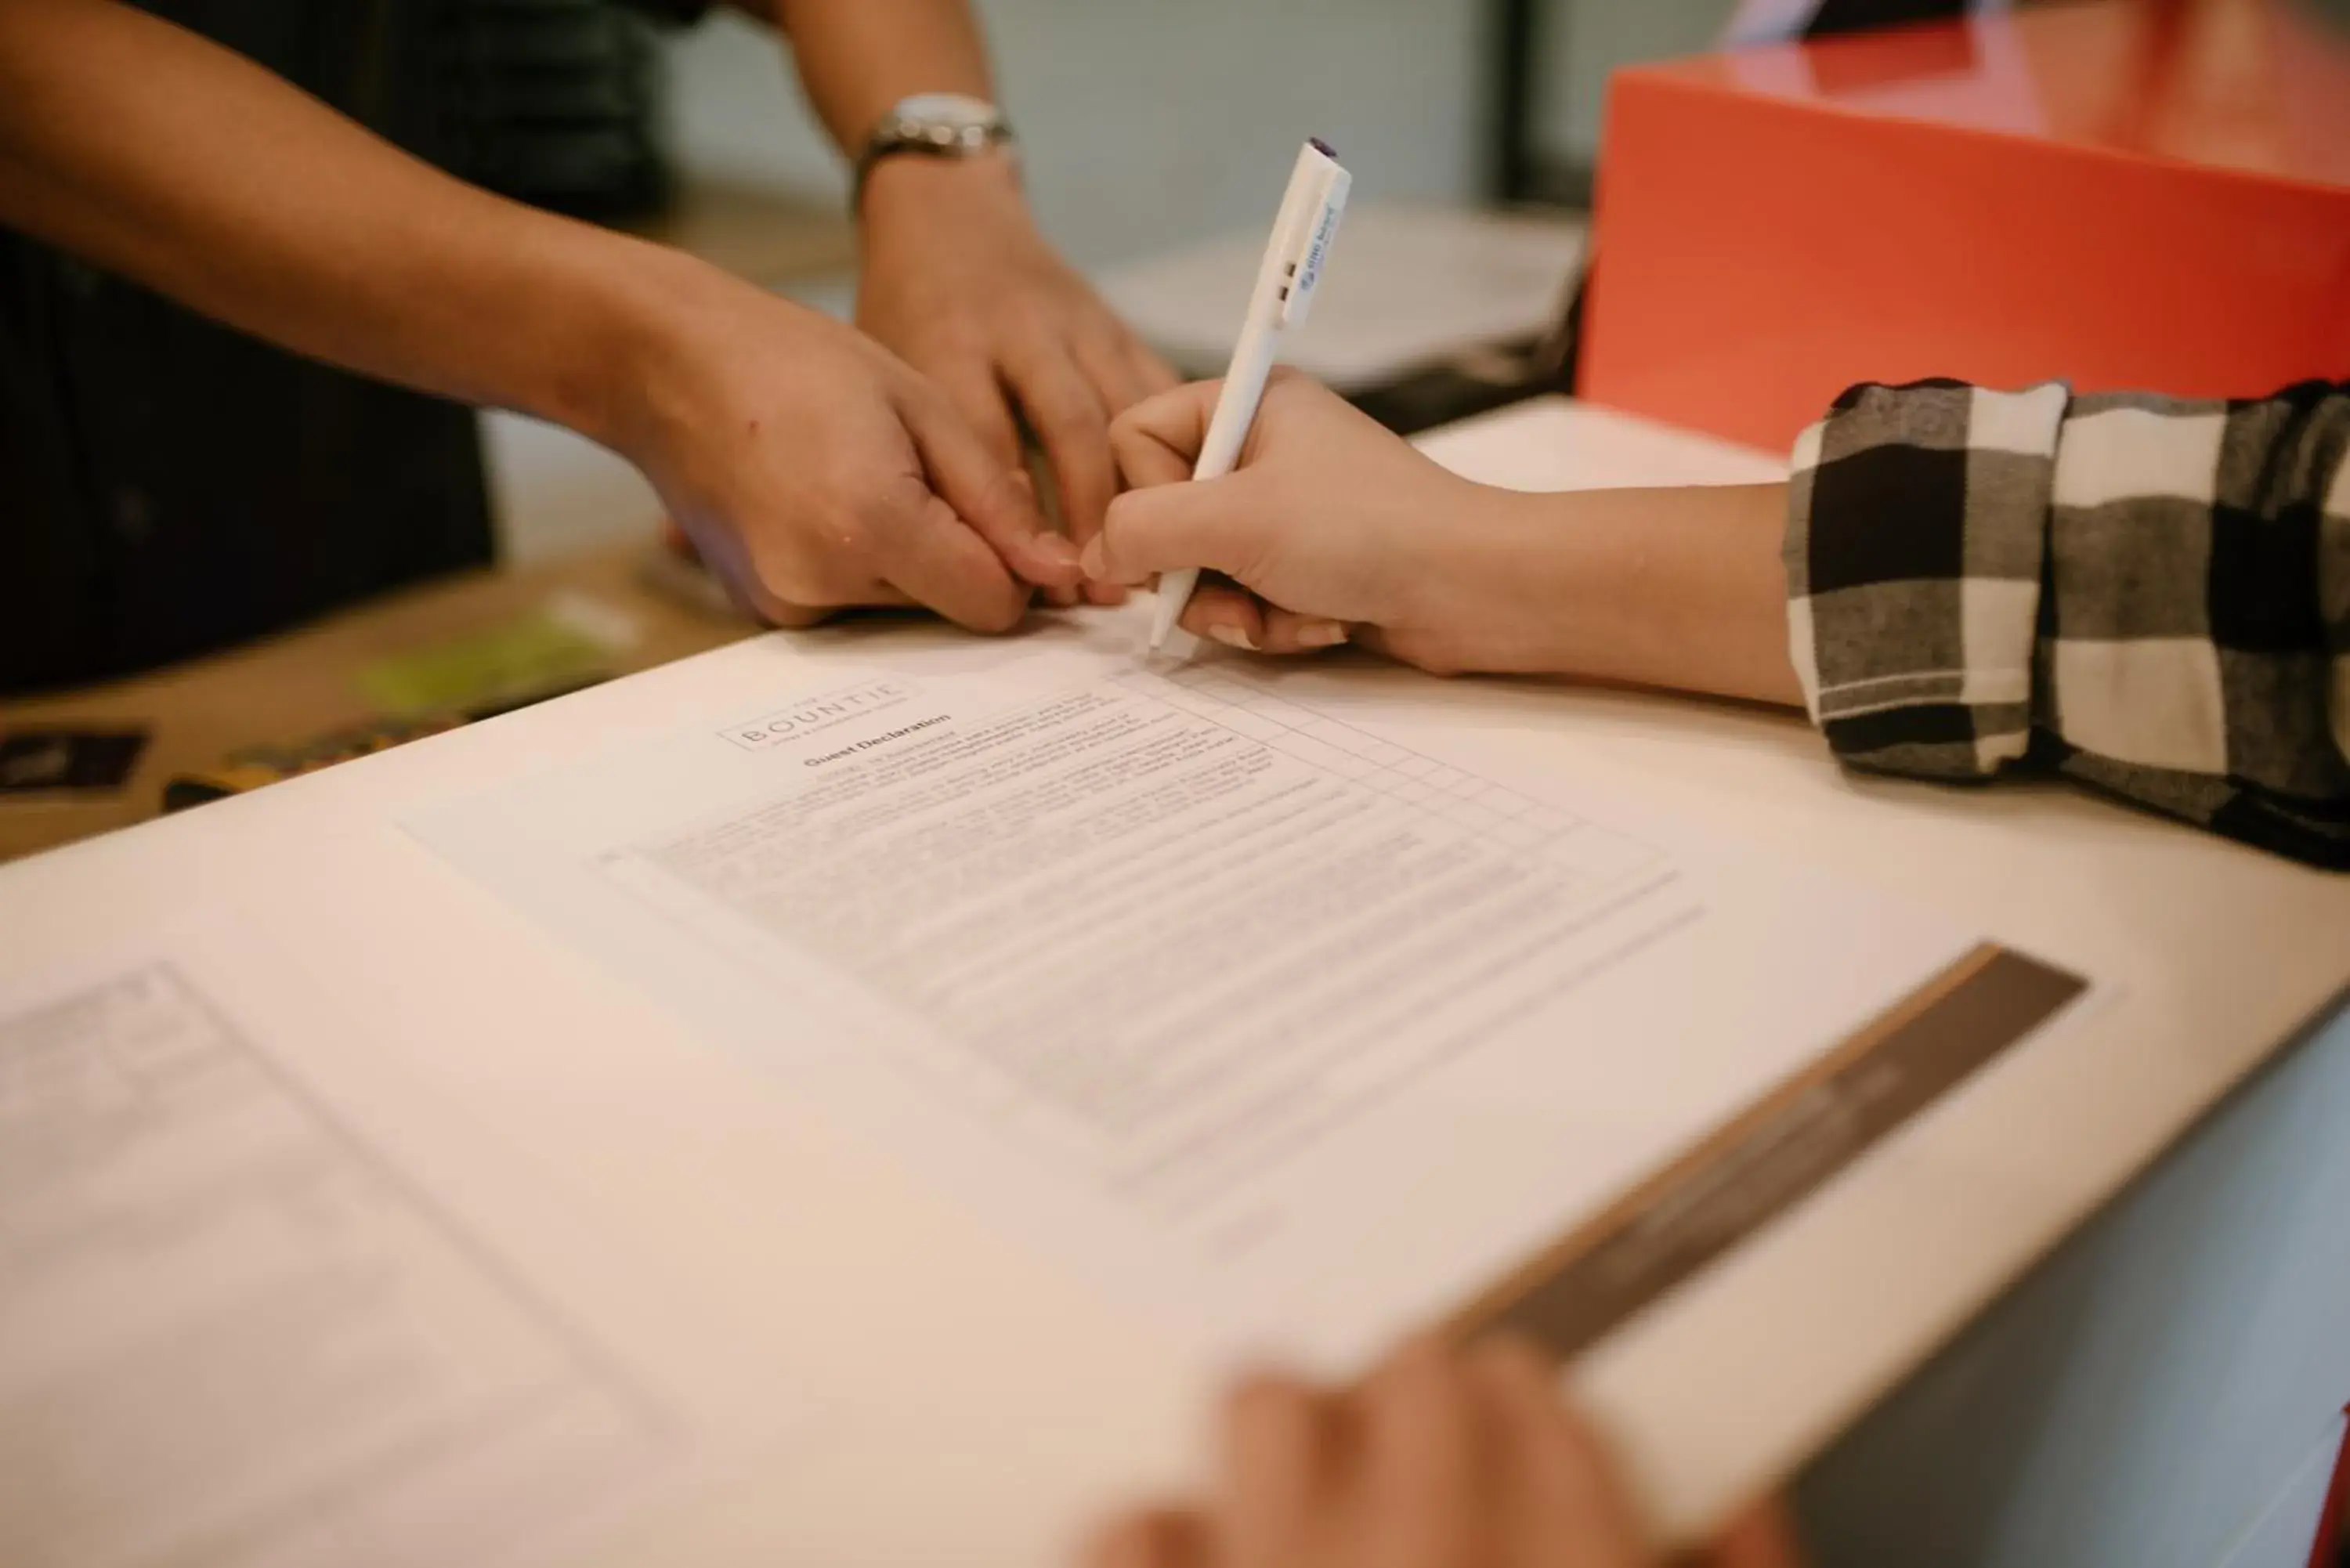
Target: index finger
1427, 1439
1072, 424
1161, 1538
982, 491
980, 398
1284, 1458
1157, 440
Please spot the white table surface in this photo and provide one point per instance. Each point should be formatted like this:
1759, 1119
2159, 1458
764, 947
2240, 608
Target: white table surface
949, 1366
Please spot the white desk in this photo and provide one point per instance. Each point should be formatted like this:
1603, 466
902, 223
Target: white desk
871, 1310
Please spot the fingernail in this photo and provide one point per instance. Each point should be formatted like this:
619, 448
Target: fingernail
1232, 636
1090, 561
1320, 634
1057, 550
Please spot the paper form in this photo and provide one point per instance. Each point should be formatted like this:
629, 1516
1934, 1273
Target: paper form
1292, 1032
233, 1330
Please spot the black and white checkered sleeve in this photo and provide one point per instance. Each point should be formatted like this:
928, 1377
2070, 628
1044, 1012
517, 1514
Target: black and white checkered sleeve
2149, 595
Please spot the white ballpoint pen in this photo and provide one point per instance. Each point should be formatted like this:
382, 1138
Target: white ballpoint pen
1286, 286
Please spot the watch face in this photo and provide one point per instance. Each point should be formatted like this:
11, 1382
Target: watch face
952, 110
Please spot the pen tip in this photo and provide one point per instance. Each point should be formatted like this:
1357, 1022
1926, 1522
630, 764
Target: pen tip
1323, 147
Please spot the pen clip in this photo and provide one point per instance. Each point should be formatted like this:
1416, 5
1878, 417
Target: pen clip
1306, 262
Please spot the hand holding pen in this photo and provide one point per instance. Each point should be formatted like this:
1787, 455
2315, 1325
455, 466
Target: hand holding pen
1285, 287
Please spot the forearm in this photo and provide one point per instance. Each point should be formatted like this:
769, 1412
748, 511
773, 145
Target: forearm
156, 155
1676, 588
860, 57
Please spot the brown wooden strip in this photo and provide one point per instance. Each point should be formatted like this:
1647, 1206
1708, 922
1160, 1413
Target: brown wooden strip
1785, 1148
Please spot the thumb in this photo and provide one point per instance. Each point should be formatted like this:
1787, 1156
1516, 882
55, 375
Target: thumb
1205, 523
983, 492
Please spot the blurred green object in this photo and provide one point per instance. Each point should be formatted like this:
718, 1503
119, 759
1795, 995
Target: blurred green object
546, 649
554, 102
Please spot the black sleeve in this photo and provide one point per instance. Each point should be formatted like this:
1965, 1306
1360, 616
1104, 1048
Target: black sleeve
683, 13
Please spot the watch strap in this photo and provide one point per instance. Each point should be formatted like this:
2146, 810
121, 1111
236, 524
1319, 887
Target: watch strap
899, 135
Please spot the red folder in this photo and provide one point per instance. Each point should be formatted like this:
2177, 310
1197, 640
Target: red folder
2331, 1547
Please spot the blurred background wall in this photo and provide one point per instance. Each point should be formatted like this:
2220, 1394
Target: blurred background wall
1147, 125
1152, 125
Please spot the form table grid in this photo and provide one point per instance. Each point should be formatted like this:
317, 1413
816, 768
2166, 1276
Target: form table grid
1493, 811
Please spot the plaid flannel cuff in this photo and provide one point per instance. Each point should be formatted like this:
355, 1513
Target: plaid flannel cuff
2196, 647
1917, 535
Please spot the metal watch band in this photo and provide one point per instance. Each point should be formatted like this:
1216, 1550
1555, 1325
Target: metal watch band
898, 136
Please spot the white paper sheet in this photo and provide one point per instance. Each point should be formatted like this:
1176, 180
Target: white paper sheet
1288, 1031
233, 1327
1414, 285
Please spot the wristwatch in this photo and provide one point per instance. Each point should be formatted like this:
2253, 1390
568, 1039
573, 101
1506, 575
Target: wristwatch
933, 125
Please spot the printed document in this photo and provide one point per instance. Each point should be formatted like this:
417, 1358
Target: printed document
236, 1326
312, 1352
1289, 1027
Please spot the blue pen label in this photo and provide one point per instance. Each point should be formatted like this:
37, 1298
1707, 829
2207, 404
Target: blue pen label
1311, 273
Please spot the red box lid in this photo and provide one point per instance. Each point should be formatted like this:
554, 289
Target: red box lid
2116, 192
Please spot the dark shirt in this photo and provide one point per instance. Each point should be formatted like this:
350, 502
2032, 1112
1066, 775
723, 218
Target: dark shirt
168, 485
